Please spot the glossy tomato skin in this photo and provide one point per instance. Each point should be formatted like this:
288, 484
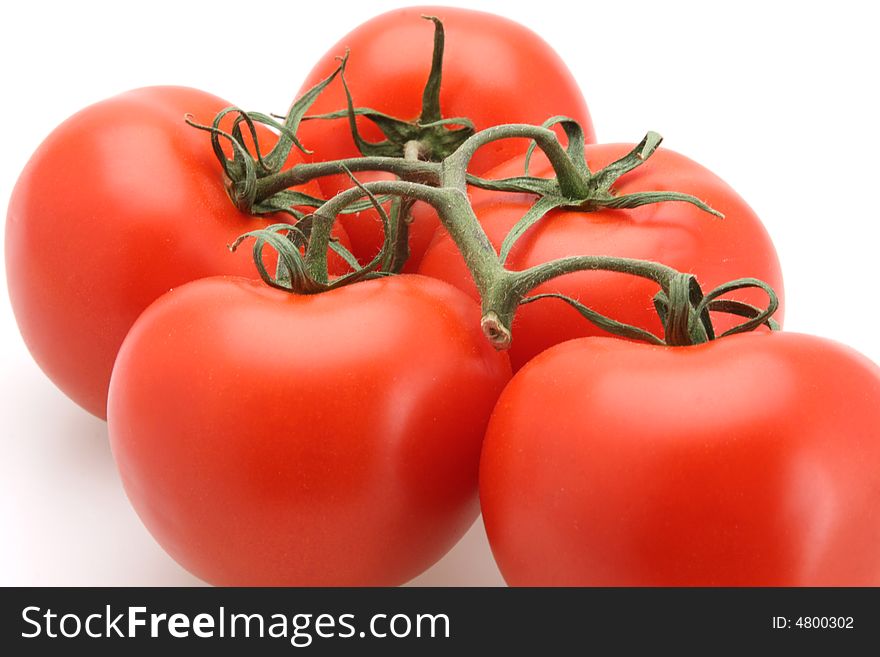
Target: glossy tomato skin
494, 71
266, 438
753, 460
122, 202
676, 234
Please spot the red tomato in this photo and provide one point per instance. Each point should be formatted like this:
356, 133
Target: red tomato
751, 460
122, 202
674, 233
494, 71
267, 438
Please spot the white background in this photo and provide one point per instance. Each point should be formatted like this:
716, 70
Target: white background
780, 99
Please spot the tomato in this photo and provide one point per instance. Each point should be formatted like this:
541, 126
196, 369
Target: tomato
494, 71
267, 438
674, 233
751, 460
122, 202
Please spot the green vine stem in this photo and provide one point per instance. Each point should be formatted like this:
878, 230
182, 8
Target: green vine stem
258, 184
683, 309
501, 290
431, 163
572, 181
417, 171
574, 185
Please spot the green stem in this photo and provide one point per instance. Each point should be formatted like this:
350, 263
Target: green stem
258, 185
683, 309
431, 94
452, 206
416, 170
450, 173
503, 302
529, 279
681, 318
685, 321
501, 290
572, 182
398, 250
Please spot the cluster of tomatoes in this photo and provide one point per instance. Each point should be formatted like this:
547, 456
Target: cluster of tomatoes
351, 437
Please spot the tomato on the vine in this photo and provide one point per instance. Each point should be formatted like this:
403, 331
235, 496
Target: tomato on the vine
120, 203
270, 438
494, 71
750, 460
677, 234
